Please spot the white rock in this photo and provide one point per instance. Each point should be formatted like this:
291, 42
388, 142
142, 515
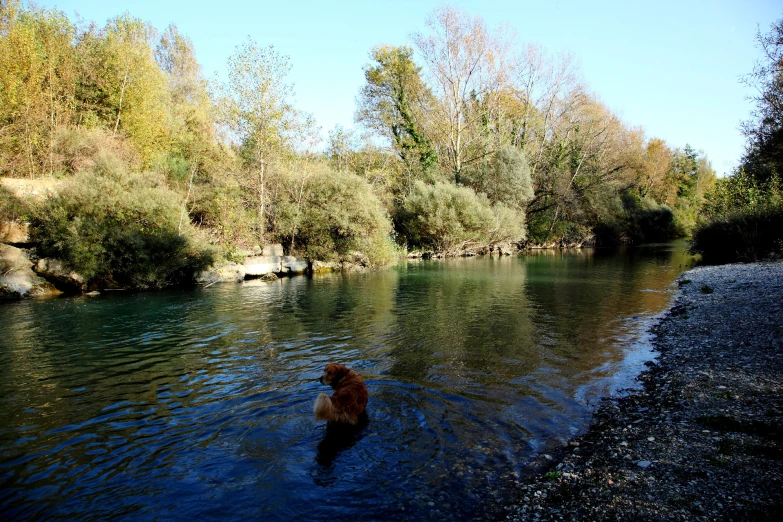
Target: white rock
294, 265
275, 249
262, 265
17, 279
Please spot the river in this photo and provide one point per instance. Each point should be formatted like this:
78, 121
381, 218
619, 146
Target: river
197, 404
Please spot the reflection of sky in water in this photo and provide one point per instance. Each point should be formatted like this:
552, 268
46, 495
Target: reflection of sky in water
199, 403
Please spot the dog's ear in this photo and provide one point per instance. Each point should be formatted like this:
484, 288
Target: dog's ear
336, 372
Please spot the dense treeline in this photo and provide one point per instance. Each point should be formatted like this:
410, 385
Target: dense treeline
465, 139
743, 215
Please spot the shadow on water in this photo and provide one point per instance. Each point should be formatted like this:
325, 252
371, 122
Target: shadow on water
338, 438
198, 403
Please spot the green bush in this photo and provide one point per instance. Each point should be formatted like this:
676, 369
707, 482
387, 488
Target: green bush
444, 216
745, 234
647, 221
509, 224
324, 214
505, 177
11, 208
222, 207
79, 149
635, 220
120, 229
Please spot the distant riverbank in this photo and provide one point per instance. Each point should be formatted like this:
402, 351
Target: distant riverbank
702, 439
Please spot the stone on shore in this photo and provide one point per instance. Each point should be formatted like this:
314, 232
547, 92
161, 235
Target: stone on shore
228, 273
294, 265
275, 249
257, 266
17, 279
320, 267
55, 271
702, 439
14, 232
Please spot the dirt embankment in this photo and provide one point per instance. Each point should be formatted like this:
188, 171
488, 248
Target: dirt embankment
703, 439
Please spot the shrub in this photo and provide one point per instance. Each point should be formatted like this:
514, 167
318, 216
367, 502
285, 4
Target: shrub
746, 234
509, 224
444, 217
11, 208
648, 221
505, 178
222, 207
323, 214
637, 220
79, 149
120, 229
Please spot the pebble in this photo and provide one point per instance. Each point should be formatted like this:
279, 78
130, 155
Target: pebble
737, 343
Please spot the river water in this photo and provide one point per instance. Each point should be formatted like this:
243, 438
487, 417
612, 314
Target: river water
197, 404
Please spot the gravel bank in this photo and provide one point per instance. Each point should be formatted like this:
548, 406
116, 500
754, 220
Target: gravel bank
703, 439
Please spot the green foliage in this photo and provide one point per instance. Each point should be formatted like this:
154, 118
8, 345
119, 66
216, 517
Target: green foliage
505, 178
78, 149
37, 70
764, 130
742, 191
121, 87
117, 228
444, 216
647, 221
391, 103
509, 224
745, 234
323, 214
545, 228
742, 219
11, 208
221, 207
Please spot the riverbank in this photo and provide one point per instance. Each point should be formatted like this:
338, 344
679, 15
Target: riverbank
702, 439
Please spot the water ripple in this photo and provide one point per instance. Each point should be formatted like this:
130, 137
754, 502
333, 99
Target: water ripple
198, 404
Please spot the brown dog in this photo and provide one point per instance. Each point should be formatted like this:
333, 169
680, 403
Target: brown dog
349, 399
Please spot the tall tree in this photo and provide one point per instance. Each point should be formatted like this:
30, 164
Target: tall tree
191, 124
37, 78
256, 109
121, 86
465, 63
392, 103
764, 130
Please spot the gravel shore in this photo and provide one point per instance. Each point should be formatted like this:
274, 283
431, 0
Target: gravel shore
703, 438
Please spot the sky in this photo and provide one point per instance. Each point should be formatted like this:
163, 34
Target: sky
671, 67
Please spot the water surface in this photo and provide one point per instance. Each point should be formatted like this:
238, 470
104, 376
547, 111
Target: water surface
198, 403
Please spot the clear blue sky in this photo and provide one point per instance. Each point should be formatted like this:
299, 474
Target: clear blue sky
672, 67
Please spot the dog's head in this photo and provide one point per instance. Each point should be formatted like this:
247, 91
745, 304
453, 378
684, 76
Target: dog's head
333, 373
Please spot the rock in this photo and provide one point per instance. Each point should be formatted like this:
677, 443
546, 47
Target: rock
320, 267
17, 279
644, 464
55, 271
357, 258
275, 249
228, 273
257, 266
347, 266
501, 249
14, 232
294, 265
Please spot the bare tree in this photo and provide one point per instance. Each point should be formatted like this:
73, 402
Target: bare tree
467, 70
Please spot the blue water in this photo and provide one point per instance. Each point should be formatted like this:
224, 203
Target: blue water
197, 404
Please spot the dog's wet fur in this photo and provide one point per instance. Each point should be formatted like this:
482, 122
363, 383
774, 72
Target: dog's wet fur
349, 400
